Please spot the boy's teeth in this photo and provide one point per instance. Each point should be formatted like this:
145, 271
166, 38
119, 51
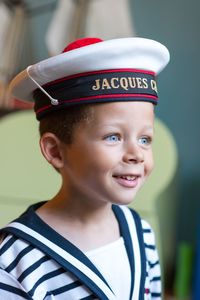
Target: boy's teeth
128, 177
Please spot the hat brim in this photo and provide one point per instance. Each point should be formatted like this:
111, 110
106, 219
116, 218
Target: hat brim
137, 53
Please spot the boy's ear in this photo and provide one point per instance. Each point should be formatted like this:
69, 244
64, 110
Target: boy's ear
51, 148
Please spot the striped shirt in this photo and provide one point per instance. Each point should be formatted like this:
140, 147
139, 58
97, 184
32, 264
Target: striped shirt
38, 263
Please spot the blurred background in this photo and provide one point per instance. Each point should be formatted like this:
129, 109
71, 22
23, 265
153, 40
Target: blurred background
34, 30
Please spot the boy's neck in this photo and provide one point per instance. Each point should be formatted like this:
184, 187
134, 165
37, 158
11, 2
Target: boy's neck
86, 226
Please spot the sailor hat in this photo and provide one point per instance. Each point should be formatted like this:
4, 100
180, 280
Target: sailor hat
91, 70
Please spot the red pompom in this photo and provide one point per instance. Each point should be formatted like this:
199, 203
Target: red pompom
81, 43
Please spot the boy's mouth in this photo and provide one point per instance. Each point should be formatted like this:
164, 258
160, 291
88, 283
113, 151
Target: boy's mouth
128, 180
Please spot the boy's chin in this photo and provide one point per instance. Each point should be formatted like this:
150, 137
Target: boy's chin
124, 201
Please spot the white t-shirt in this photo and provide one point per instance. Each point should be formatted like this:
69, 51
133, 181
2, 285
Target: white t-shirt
112, 261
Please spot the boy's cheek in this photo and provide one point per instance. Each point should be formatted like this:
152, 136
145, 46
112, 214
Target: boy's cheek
150, 166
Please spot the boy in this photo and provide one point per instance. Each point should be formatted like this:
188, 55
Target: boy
95, 103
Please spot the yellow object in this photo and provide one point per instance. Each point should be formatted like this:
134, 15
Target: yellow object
25, 176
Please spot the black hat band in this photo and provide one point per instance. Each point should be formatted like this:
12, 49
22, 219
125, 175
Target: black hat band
95, 87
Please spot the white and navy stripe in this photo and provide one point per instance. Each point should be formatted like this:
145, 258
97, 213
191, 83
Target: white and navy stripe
33, 266
153, 278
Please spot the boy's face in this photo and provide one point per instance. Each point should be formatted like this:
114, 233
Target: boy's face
111, 154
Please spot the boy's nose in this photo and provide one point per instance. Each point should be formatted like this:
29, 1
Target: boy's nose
133, 154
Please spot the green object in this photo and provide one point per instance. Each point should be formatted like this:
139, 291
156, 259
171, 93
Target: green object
183, 278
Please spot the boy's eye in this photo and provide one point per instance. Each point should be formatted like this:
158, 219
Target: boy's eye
112, 138
145, 140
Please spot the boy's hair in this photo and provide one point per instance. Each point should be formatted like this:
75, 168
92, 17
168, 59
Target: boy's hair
63, 122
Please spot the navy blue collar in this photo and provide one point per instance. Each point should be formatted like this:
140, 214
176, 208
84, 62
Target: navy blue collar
32, 221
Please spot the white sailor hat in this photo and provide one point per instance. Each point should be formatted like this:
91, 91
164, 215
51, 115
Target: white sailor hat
91, 70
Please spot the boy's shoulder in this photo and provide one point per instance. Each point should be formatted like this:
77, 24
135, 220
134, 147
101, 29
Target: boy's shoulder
137, 217
10, 242
143, 227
